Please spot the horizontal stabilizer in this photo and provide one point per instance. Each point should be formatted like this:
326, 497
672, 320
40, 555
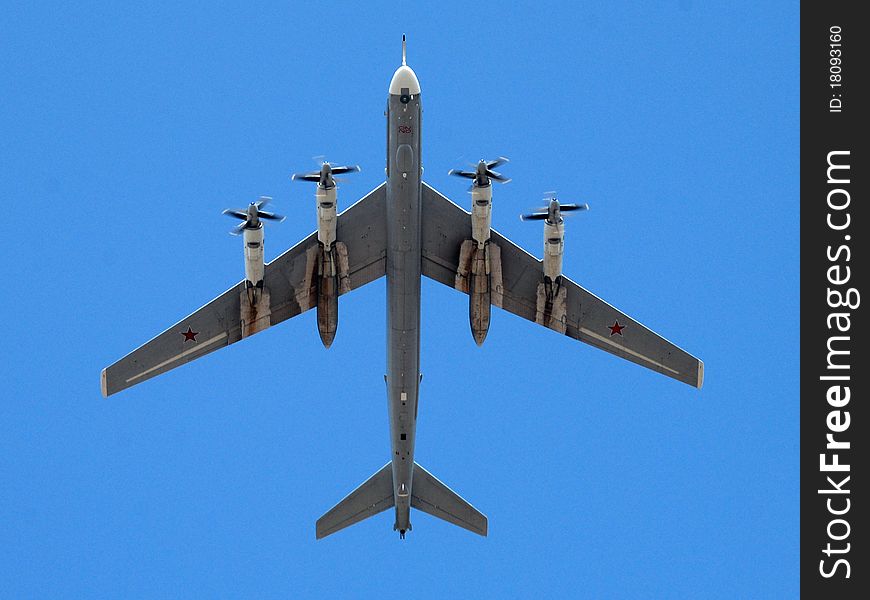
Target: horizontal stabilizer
433, 497
371, 497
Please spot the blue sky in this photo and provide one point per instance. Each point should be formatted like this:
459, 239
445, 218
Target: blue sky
125, 131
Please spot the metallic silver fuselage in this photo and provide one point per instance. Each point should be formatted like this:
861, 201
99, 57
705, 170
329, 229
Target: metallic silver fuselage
404, 196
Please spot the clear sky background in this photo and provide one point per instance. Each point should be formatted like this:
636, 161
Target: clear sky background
124, 131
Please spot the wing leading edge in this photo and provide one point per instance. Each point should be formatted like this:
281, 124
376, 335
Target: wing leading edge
586, 317
290, 281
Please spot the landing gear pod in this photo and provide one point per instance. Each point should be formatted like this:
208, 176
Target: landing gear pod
479, 275
327, 297
332, 281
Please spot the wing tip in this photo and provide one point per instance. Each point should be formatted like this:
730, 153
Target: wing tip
700, 383
103, 386
322, 530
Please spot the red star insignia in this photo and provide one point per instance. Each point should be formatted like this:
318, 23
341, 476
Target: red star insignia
616, 328
190, 335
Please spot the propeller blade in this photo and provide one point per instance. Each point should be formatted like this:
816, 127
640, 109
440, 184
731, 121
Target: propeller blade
497, 162
533, 216
497, 176
315, 177
570, 207
458, 173
263, 201
236, 213
345, 169
238, 229
271, 216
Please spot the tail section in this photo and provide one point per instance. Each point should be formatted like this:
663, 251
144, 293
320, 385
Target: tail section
373, 496
433, 497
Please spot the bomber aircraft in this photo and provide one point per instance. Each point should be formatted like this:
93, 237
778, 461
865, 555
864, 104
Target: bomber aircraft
403, 229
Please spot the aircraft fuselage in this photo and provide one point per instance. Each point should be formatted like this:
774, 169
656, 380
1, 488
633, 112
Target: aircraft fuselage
404, 198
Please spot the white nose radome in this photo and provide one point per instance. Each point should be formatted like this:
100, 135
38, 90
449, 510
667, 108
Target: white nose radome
404, 77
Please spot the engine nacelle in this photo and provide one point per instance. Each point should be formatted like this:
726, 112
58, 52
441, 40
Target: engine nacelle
331, 268
325, 194
552, 295
479, 284
254, 302
327, 264
481, 213
327, 211
254, 269
554, 247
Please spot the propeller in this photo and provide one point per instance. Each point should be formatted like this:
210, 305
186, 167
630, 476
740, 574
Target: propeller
483, 173
252, 215
324, 177
553, 212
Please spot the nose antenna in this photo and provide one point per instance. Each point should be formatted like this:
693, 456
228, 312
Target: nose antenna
403, 50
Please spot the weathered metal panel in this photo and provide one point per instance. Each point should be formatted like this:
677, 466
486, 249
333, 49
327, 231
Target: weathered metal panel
255, 316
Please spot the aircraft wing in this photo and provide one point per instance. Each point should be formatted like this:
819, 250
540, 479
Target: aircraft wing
290, 281
587, 317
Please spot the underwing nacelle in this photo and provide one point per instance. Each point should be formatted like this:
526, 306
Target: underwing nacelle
331, 266
479, 258
551, 302
554, 234
251, 229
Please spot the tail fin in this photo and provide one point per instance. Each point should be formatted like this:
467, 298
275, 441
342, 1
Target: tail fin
433, 497
374, 495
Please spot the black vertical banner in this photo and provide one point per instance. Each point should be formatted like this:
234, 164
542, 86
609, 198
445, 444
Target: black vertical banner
835, 370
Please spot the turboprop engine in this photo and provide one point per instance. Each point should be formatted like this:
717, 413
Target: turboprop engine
481, 196
554, 234
480, 258
251, 228
551, 296
332, 269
